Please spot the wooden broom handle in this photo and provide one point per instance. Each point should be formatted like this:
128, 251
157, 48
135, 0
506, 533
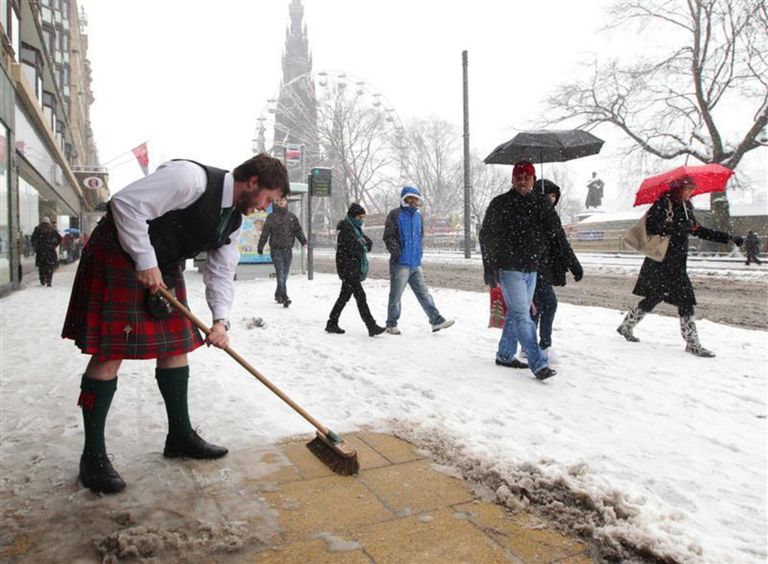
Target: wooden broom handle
245, 364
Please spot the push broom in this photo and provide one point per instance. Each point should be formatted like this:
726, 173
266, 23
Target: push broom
327, 445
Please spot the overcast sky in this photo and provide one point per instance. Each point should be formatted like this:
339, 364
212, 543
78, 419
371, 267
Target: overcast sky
191, 76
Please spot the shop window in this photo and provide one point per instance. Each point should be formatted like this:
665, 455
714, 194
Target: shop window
5, 231
29, 218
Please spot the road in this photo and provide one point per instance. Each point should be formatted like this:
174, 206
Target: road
732, 301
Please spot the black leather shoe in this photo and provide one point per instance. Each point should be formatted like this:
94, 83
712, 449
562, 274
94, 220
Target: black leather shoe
334, 328
514, 363
286, 302
98, 475
374, 330
192, 446
545, 373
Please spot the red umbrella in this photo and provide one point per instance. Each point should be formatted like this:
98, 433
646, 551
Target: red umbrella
708, 178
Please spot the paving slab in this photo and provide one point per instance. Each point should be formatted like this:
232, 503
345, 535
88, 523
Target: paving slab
279, 503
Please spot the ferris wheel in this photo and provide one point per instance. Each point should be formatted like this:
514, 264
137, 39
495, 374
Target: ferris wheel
316, 116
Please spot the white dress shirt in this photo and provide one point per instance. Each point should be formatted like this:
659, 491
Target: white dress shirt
176, 185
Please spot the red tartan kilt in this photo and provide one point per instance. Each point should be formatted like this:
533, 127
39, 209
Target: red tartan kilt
108, 316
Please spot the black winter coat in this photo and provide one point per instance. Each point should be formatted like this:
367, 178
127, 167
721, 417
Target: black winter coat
516, 231
669, 279
44, 242
281, 227
349, 251
558, 259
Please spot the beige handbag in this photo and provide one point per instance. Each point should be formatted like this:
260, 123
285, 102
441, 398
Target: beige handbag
653, 246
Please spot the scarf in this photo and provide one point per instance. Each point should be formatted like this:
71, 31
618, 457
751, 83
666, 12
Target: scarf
357, 227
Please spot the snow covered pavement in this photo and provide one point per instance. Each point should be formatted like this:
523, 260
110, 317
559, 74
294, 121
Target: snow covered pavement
636, 443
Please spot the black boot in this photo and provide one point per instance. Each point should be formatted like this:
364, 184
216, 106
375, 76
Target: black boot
192, 446
332, 327
98, 475
374, 330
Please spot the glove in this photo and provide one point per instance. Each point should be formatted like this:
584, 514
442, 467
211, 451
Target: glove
737, 240
577, 271
260, 251
491, 279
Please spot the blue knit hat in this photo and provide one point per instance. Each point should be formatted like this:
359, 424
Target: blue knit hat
410, 191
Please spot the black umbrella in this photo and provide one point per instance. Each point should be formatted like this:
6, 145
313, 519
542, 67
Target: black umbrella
546, 146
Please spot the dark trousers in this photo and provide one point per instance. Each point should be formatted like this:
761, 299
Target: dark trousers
752, 257
282, 258
650, 302
351, 288
46, 274
545, 300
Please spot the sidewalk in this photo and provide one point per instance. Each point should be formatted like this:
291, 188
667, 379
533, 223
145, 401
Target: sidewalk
280, 504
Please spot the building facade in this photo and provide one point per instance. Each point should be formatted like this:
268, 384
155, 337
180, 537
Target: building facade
48, 159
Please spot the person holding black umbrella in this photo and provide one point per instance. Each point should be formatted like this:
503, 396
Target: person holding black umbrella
557, 259
515, 232
667, 281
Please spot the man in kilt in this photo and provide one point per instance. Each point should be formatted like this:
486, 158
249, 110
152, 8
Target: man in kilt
151, 227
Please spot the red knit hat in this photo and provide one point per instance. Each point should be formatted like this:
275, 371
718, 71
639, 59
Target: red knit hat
523, 167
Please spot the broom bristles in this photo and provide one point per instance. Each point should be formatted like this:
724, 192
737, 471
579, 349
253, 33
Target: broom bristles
338, 456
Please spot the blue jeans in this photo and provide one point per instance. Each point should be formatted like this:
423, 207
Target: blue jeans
545, 301
518, 288
399, 276
282, 258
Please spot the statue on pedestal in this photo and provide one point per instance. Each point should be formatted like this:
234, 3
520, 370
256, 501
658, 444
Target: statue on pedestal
595, 192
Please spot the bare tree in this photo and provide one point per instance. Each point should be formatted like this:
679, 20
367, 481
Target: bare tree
679, 104
488, 181
434, 164
340, 131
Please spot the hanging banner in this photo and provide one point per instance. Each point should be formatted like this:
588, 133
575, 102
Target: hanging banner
142, 155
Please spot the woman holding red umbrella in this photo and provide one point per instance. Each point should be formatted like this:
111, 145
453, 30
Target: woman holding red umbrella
667, 281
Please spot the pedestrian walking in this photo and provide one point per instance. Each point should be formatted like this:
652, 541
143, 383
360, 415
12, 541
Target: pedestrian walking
151, 227
352, 248
557, 259
667, 281
44, 241
752, 248
515, 233
403, 237
281, 229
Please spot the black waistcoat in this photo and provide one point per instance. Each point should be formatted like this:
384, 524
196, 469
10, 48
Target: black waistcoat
181, 234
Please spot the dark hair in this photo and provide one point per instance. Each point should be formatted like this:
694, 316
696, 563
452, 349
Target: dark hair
271, 172
355, 209
677, 186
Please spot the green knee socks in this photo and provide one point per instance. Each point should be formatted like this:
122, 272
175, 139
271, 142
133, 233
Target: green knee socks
173, 386
95, 399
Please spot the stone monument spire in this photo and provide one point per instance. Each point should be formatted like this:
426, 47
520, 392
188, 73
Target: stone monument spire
295, 138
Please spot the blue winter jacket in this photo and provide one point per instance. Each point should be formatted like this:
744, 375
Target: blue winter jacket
403, 233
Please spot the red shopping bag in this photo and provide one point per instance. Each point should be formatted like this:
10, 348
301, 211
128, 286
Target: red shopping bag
498, 308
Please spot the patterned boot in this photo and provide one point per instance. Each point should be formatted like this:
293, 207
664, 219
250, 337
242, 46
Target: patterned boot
633, 317
691, 336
